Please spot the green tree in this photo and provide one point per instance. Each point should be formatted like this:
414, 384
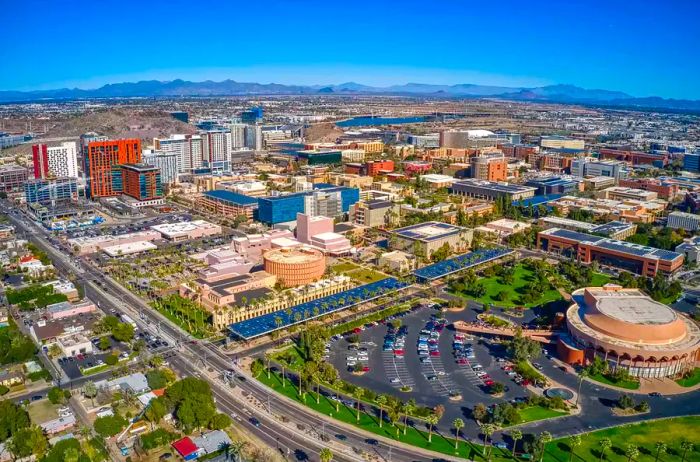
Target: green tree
685, 447
90, 391
104, 343
660, 449
109, 425
515, 435
58, 396
574, 442
28, 441
604, 444
544, 438
155, 411
458, 425
358, 394
407, 408
431, 420
219, 422
123, 332
631, 452
326, 455
487, 430
381, 402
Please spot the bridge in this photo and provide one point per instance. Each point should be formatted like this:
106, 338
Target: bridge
539, 335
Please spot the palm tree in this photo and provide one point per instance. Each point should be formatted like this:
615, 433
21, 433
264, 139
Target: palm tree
458, 425
358, 394
574, 442
686, 446
432, 420
325, 455
660, 449
631, 452
408, 408
515, 435
545, 437
90, 391
236, 449
487, 430
604, 444
381, 401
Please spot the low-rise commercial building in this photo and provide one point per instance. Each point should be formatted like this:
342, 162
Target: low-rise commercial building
186, 230
504, 227
490, 190
227, 204
620, 193
683, 220
372, 213
425, 238
665, 189
587, 248
74, 344
631, 211
437, 181
86, 245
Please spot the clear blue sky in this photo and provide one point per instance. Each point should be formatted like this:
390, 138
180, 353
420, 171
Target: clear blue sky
642, 47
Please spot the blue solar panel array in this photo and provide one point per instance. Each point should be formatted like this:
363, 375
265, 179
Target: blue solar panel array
445, 267
576, 236
266, 323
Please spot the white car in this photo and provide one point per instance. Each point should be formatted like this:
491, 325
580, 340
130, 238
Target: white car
395, 380
351, 358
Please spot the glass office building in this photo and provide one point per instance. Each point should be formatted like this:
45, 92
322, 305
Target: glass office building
281, 209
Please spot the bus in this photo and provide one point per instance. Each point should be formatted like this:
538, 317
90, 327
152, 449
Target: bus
127, 319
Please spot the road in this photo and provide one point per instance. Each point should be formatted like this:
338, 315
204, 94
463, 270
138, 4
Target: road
196, 357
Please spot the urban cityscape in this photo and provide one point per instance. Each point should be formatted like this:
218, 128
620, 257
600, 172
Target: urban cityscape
219, 269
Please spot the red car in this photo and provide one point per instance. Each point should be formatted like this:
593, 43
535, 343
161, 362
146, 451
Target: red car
365, 369
462, 361
489, 383
357, 330
435, 353
525, 383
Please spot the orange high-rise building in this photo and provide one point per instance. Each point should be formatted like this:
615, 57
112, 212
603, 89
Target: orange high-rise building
101, 156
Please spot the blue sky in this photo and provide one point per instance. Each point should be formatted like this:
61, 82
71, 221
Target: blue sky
641, 47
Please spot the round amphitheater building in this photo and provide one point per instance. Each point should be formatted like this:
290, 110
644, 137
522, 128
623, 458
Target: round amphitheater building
295, 266
626, 328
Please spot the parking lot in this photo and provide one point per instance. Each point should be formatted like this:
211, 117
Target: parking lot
447, 365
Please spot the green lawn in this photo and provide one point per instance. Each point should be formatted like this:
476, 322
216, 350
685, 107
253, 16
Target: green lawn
521, 277
643, 435
532, 413
692, 380
365, 275
599, 280
628, 384
344, 267
440, 443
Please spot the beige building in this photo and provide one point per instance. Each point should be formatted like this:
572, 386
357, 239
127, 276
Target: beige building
236, 311
425, 238
397, 261
561, 142
372, 213
620, 193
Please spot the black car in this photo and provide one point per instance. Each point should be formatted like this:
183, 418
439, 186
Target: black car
372, 442
341, 437
254, 421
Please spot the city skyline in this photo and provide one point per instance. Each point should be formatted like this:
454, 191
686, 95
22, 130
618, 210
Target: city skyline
593, 45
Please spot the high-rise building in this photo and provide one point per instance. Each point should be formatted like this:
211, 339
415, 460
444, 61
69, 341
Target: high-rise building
101, 158
55, 161
237, 135
85, 140
166, 162
216, 150
253, 137
328, 202
253, 115
489, 167
187, 148
140, 181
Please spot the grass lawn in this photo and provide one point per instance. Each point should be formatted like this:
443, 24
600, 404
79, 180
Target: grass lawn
628, 384
599, 279
414, 436
532, 413
365, 275
643, 435
42, 411
692, 380
344, 267
521, 277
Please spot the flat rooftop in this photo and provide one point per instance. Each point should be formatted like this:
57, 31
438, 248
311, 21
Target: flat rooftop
232, 197
632, 307
183, 227
613, 244
495, 186
428, 231
129, 248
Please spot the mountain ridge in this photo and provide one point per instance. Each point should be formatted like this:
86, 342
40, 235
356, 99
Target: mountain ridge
559, 93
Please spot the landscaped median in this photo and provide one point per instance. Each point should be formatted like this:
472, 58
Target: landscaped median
690, 379
348, 414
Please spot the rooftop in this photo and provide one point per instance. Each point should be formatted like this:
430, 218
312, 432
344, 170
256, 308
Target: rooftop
293, 255
495, 186
428, 231
230, 196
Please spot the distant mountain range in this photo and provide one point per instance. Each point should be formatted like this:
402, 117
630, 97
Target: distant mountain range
183, 88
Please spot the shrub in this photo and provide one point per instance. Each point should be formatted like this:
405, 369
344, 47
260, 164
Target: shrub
156, 379
3, 390
157, 438
112, 359
109, 425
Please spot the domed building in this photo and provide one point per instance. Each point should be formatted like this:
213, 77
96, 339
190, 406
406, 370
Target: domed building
626, 328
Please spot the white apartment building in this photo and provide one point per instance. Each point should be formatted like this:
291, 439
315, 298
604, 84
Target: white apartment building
683, 220
63, 160
187, 148
165, 161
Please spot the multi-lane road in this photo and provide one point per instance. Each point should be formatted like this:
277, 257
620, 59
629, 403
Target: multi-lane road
207, 361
